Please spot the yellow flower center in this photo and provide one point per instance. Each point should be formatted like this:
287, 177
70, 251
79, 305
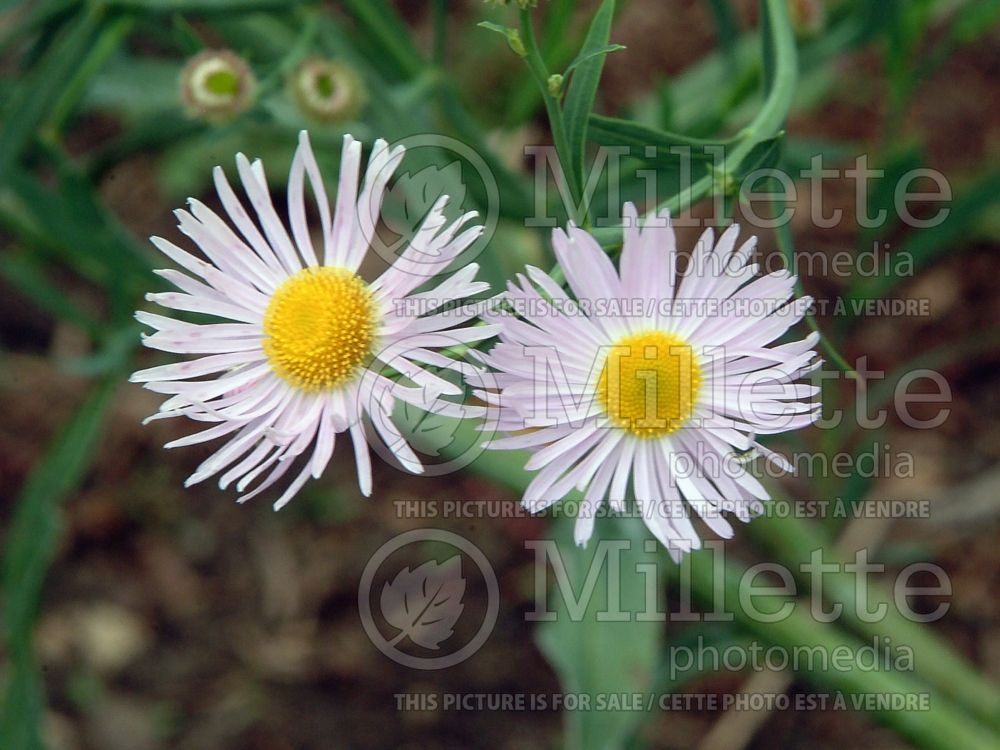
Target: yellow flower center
319, 328
649, 384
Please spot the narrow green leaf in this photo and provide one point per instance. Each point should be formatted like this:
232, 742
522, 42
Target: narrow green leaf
793, 541
767, 46
66, 222
780, 70
138, 88
31, 101
901, 159
497, 27
671, 678
584, 56
26, 22
927, 245
725, 24
611, 131
511, 35
107, 42
934, 730
764, 155
206, 6
387, 33
29, 549
583, 85
559, 40
22, 272
594, 654
536, 64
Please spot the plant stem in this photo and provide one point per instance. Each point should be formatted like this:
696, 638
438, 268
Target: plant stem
944, 727
793, 540
768, 122
559, 137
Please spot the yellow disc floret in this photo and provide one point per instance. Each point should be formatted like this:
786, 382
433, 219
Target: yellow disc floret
649, 384
319, 328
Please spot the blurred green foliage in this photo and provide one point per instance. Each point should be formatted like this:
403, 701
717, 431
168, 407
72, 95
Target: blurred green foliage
70, 62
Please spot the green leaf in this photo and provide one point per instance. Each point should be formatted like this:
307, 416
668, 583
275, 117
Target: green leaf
490, 26
559, 41
584, 56
594, 655
512, 36
67, 222
117, 348
671, 678
780, 70
206, 6
137, 87
725, 24
611, 131
27, 20
30, 545
927, 245
23, 272
938, 664
764, 155
108, 40
583, 86
882, 193
388, 35
35, 95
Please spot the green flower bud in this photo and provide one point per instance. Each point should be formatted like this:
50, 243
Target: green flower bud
217, 85
555, 84
515, 43
327, 91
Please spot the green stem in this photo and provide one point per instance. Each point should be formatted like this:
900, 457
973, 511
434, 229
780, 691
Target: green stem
943, 727
558, 45
768, 122
793, 540
559, 136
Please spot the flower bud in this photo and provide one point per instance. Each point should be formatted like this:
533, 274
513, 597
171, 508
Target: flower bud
217, 85
327, 91
515, 43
